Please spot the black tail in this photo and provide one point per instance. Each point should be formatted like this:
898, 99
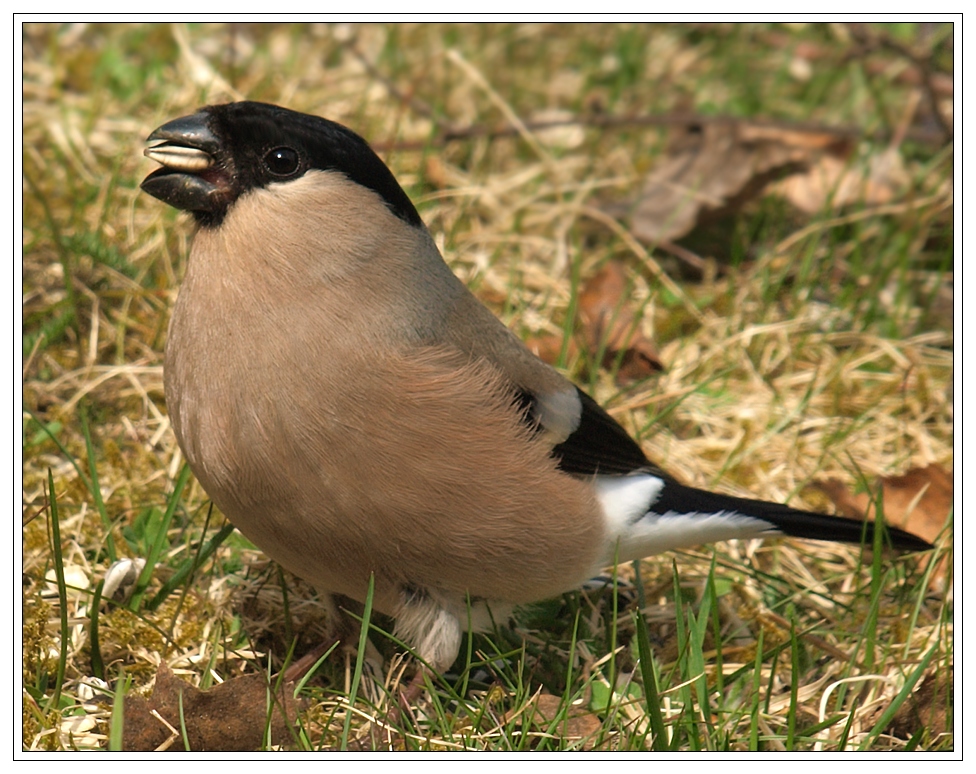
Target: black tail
790, 521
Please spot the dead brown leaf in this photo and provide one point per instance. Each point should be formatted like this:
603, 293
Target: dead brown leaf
715, 168
929, 707
918, 501
835, 182
549, 346
579, 724
610, 324
435, 172
232, 716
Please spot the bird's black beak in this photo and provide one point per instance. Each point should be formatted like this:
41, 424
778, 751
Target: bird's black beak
191, 177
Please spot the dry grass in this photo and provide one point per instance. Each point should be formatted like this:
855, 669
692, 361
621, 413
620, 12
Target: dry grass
820, 353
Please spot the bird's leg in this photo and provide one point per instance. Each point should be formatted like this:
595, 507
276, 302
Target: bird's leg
414, 688
298, 669
381, 732
343, 634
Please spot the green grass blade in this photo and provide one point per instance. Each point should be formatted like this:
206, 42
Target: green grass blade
117, 721
360, 660
896, 703
652, 697
159, 541
55, 531
94, 639
756, 695
94, 487
794, 688
184, 575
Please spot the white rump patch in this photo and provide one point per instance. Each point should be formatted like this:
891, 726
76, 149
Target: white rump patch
634, 532
559, 414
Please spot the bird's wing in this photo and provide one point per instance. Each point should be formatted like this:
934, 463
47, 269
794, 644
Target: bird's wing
598, 444
585, 439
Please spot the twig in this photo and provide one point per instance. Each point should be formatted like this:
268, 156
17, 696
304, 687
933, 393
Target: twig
414, 102
873, 40
651, 119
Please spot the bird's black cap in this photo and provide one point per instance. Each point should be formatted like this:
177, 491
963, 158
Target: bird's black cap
214, 156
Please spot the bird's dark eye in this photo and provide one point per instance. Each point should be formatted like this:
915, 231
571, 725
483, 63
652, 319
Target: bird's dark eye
282, 161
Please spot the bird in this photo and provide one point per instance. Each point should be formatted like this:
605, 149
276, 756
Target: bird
353, 409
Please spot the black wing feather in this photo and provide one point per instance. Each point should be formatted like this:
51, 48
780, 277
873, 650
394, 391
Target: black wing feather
598, 445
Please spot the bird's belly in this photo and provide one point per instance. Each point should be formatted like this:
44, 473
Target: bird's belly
335, 482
